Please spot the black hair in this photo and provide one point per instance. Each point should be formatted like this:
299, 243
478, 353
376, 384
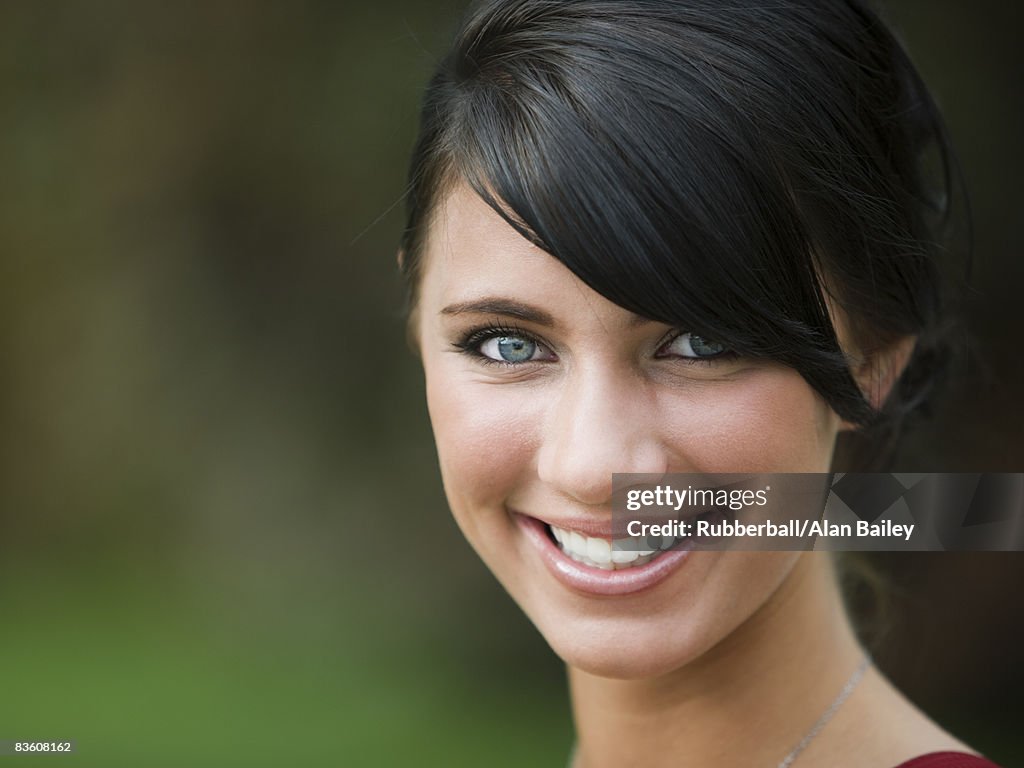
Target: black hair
731, 169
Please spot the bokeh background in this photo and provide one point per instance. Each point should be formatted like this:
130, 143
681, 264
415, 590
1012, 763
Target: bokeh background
223, 540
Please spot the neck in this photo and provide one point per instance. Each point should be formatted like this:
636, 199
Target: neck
746, 702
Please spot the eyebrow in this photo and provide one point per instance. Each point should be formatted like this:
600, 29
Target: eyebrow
494, 305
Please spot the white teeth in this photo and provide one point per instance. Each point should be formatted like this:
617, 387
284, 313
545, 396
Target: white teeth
621, 558
575, 543
599, 550
618, 554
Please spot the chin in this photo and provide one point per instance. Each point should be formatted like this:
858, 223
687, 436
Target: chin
623, 649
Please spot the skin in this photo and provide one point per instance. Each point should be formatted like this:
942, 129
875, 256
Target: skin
733, 657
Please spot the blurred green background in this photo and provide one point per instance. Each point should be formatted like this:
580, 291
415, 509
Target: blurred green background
223, 540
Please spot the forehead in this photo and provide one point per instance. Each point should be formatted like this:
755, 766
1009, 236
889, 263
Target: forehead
466, 235
473, 253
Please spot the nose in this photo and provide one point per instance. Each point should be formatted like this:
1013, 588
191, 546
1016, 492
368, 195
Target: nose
601, 423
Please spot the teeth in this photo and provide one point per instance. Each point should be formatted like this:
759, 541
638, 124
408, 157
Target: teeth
599, 550
618, 554
575, 544
622, 556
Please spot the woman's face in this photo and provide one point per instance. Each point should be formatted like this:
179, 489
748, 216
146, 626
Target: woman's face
539, 389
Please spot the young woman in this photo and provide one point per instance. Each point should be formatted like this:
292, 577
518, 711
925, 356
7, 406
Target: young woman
660, 236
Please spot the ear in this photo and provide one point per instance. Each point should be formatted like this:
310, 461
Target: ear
878, 373
400, 259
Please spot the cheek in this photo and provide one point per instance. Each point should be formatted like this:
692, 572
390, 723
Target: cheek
771, 421
486, 440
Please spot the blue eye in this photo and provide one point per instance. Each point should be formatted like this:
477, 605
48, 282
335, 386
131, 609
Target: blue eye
695, 347
504, 345
509, 349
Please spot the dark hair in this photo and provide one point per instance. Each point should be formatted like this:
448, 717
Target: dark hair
731, 169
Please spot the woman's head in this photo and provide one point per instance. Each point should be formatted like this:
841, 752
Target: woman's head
661, 237
539, 389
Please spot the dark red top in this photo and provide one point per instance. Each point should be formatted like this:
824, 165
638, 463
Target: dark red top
948, 760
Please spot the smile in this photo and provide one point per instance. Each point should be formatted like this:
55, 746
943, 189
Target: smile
601, 565
616, 554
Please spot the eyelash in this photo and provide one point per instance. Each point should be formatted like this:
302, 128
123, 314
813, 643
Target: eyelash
474, 338
671, 336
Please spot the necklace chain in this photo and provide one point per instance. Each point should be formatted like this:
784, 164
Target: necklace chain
828, 714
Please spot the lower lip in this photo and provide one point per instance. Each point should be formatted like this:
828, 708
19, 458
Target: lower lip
595, 581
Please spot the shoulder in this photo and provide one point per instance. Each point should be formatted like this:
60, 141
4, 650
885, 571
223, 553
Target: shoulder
948, 760
902, 735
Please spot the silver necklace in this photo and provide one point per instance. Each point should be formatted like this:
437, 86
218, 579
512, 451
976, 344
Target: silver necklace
828, 714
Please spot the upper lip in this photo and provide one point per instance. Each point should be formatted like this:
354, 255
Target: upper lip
598, 528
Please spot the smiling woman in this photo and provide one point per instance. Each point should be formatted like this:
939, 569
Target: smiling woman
656, 237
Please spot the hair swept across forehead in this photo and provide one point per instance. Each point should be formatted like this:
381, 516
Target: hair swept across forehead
714, 166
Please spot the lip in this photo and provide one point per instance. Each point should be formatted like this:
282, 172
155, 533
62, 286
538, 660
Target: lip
603, 529
595, 581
